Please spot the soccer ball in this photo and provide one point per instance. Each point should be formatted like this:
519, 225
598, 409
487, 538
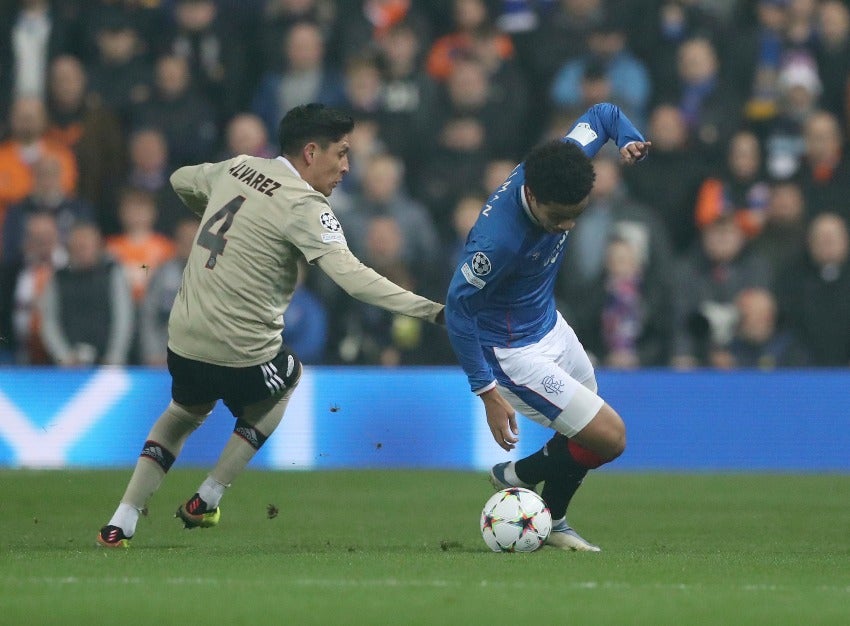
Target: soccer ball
515, 520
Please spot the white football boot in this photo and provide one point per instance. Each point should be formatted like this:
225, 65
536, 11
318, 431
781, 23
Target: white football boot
565, 538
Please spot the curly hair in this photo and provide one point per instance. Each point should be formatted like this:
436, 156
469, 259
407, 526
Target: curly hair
312, 122
559, 172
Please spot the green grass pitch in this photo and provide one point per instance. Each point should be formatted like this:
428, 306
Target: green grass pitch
403, 547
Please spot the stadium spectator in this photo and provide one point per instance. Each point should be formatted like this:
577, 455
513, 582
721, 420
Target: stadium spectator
149, 169
833, 55
47, 197
782, 238
670, 179
368, 21
27, 145
278, 16
706, 283
149, 20
469, 17
245, 133
410, 95
374, 336
562, 36
304, 77
87, 309
159, 296
755, 46
759, 341
43, 254
782, 134
610, 214
245, 291
363, 88
608, 53
92, 132
627, 320
657, 29
383, 195
814, 294
34, 35
138, 247
711, 112
472, 128
801, 30
469, 91
825, 171
508, 85
185, 116
215, 55
740, 189
120, 75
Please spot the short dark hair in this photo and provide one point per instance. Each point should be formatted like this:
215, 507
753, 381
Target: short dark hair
312, 122
559, 172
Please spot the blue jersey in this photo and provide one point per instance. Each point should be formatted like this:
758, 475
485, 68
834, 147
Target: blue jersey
502, 293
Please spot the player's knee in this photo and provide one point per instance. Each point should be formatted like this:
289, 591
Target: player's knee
193, 415
616, 439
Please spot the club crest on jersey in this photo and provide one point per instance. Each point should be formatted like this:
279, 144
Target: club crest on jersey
330, 222
481, 264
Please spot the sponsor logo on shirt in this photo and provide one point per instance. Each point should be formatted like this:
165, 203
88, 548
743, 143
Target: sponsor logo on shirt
471, 278
329, 237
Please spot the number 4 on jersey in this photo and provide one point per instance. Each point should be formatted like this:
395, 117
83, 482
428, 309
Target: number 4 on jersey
215, 242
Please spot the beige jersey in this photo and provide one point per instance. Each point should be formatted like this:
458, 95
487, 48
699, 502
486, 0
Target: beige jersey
257, 217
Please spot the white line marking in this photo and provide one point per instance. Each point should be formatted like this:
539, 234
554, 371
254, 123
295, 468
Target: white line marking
341, 583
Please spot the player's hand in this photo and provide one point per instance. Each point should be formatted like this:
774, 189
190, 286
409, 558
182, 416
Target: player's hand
634, 151
501, 418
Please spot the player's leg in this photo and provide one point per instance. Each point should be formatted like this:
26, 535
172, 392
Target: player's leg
163, 445
194, 394
553, 383
255, 423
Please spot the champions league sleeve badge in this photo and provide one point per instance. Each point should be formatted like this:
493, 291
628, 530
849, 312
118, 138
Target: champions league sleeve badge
481, 264
330, 222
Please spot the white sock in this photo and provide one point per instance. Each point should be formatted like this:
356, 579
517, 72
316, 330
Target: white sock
211, 491
510, 474
125, 518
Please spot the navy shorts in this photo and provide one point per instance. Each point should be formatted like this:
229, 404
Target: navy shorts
196, 382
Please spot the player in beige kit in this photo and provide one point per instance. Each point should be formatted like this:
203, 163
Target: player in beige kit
258, 216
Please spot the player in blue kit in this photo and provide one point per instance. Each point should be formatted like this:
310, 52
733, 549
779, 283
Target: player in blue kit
517, 351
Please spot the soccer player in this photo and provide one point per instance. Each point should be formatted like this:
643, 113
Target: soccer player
517, 351
258, 217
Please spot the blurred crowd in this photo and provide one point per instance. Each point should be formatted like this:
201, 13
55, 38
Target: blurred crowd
727, 248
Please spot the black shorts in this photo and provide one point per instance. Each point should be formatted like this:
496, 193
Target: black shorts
196, 382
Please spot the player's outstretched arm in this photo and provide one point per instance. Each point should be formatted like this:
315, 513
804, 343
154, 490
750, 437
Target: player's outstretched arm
365, 284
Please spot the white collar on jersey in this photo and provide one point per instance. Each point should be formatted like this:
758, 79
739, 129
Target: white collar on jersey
523, 197
289, 164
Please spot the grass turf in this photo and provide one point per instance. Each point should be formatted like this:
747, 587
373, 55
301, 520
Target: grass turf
381, 547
